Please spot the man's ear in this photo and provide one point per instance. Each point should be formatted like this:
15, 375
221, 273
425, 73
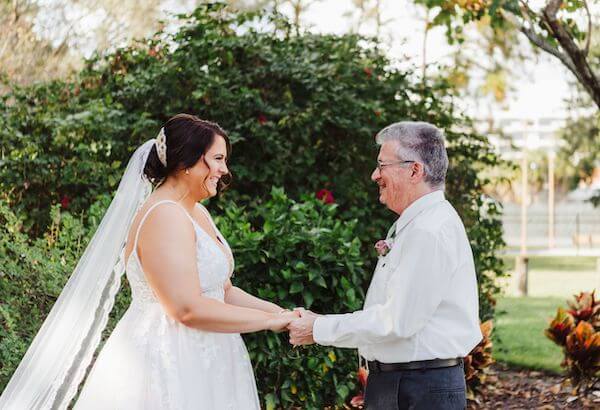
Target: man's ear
417, 170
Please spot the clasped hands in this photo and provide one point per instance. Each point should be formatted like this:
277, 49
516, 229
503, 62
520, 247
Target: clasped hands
299, 323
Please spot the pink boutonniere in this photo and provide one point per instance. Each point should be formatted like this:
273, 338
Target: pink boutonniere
383, 247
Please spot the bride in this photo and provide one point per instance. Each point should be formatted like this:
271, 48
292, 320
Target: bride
178, 346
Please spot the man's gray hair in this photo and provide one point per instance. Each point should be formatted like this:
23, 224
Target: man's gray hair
421, 142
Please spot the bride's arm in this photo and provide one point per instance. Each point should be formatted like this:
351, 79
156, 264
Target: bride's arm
168, 253
238, 297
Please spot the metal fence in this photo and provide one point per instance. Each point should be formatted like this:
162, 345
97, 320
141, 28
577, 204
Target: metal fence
576, 225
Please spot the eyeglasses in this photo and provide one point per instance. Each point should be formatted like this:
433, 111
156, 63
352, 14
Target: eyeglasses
381, 165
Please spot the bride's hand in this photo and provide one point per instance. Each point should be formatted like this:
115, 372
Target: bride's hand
280, 321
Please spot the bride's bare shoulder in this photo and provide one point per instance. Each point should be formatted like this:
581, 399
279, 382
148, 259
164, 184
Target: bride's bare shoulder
158, 215
157, 211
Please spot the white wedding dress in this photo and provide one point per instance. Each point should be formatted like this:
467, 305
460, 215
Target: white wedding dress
150, 361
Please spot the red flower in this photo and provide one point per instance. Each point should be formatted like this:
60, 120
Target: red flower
368, 71
262, 119
326, 196
65, 201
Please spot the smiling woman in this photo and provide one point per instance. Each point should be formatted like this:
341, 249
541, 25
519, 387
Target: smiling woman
178, 345
189, 140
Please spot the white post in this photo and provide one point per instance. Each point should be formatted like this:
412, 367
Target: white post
524, 177
551, 157
521, 266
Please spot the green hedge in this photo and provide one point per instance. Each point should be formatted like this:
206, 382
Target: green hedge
298, 254
302, 111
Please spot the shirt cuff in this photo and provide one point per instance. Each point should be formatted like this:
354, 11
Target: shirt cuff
323, 330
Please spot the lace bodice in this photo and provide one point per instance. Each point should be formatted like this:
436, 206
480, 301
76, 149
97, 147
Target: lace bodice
214, 264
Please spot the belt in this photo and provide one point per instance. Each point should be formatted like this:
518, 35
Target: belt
378, 367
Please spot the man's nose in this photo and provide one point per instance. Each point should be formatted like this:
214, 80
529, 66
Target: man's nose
375, 175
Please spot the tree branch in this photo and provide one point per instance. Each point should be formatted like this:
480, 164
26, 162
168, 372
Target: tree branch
539, 41
578, 58
588, 40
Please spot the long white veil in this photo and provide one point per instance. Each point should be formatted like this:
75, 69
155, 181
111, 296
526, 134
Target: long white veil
56, 362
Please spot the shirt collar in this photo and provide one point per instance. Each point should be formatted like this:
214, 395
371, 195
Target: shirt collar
418, 206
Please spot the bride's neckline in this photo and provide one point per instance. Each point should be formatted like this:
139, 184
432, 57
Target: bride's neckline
223, 248
218, 242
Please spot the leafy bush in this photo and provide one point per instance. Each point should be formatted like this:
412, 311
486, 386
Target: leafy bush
33, 273
298, 254
577, 331
478, 361
301, 111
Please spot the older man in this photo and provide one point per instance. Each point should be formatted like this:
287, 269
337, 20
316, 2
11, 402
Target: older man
421, 311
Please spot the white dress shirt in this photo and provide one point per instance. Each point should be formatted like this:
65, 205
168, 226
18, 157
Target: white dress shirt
422, 303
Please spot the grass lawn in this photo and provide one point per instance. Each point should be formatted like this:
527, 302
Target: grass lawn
518, 336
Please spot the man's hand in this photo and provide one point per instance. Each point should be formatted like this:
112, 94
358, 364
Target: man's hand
301, 330
280, 321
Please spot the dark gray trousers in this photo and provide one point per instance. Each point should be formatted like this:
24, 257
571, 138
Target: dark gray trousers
428, 389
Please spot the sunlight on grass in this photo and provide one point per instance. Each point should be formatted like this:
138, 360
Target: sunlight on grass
519, 338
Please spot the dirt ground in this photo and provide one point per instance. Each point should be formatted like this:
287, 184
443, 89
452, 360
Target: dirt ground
528, 389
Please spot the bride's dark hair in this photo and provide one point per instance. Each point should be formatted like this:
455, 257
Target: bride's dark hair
188, 138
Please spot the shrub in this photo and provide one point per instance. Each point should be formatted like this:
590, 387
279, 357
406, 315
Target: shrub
33, 273
577, 331
298, 254
478, 361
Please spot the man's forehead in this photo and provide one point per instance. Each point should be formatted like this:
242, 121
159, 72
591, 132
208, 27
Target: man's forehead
388, 149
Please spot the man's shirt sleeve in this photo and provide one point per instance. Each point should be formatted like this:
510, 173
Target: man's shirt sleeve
414, 291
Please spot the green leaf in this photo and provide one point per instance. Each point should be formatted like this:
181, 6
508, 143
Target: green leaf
342, 391
321, 282
271, 401
308, 299
296, 287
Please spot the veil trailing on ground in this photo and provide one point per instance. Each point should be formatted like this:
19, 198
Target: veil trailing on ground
56, 362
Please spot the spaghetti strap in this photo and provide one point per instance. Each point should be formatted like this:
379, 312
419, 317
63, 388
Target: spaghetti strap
210, 221
164, 201
215, 229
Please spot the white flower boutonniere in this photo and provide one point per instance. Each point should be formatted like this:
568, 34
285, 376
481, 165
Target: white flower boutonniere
383, 247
